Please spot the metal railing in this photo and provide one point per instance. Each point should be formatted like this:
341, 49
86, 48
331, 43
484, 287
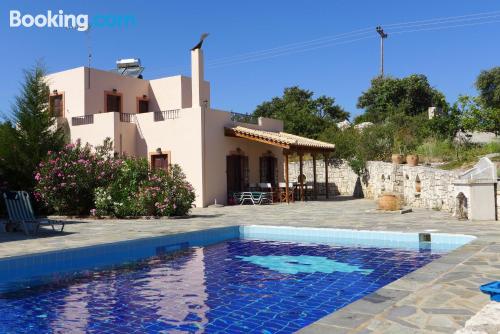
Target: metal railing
160, 116
244, 118
127, 118
82, 120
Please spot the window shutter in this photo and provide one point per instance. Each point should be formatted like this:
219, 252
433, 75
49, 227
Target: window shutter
262, 169
275, 172
245, 173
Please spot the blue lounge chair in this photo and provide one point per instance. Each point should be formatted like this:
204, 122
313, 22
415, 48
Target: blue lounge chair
492, 289
21, 213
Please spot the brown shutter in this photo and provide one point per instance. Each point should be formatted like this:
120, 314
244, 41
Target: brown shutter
245, 178
275, 172
262, 171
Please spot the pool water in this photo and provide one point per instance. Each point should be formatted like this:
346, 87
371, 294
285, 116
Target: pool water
235, 286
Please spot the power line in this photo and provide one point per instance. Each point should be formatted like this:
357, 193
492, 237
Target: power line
294, 45
289, 53
446, 27
437, 23
326, 41
442, 18
348, 37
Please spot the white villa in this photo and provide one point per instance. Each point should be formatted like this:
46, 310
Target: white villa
170, 121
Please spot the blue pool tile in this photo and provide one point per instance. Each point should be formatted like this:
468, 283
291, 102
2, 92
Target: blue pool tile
209, 289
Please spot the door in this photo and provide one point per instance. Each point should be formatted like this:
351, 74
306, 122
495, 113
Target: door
159, 161
237, 173
269, 170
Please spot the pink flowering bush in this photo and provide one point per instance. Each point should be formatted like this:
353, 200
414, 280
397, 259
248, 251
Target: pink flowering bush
67, 179
83, 180
138, 191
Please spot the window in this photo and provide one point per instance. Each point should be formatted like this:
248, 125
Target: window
142, 105
159, 161
113, 102
56, 105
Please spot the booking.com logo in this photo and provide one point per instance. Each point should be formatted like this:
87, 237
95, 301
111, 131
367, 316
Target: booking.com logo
80, 22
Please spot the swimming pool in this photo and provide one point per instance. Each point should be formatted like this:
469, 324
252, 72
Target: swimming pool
250, 279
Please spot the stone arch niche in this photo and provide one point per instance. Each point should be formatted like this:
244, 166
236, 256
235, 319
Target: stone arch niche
418, 185
461, 210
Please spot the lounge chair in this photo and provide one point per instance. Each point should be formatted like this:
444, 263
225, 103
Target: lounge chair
21, 213
253, 197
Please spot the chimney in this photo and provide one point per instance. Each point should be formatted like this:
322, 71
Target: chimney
196, 76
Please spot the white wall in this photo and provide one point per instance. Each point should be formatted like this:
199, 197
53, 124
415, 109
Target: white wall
173, 93
180, 138
71, 83
101, 81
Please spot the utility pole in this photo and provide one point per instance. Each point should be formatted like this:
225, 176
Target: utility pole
383, 36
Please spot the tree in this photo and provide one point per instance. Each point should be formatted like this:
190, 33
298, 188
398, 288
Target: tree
30, 133
359, 146
476, 116
488, 85
302, 114
389, 96
446, 124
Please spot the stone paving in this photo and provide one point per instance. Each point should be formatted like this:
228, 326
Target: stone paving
437, 298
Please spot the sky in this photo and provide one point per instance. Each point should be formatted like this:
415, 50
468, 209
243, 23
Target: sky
257, 48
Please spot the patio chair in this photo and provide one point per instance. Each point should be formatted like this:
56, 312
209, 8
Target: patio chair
291, 190
21, 213
264, 186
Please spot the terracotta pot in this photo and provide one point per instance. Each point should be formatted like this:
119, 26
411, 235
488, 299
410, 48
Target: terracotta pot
412, 160
397, 159
389, 202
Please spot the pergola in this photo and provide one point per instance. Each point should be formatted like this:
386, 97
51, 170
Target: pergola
291, 144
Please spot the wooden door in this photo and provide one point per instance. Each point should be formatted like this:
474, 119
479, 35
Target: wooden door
159, 161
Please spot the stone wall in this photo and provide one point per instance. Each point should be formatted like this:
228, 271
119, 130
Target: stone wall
498, 201
421, 186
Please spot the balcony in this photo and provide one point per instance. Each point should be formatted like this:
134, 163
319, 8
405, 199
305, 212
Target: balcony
82, 120
244, 118
127, 118
158, 116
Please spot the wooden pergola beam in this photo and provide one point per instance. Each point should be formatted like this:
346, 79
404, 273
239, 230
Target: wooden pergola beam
315, 195
287, 180
301, 176
231, 133
326, 155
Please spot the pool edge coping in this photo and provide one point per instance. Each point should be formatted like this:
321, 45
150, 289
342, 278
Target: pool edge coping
361, 320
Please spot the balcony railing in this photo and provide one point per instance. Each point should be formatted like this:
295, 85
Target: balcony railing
127, 118
244, 118
160, 116
82, 120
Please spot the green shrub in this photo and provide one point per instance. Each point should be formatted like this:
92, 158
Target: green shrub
435, 150
138, 191
118, 196
374, 142
456, 154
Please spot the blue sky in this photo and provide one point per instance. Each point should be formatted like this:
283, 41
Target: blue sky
165, 31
